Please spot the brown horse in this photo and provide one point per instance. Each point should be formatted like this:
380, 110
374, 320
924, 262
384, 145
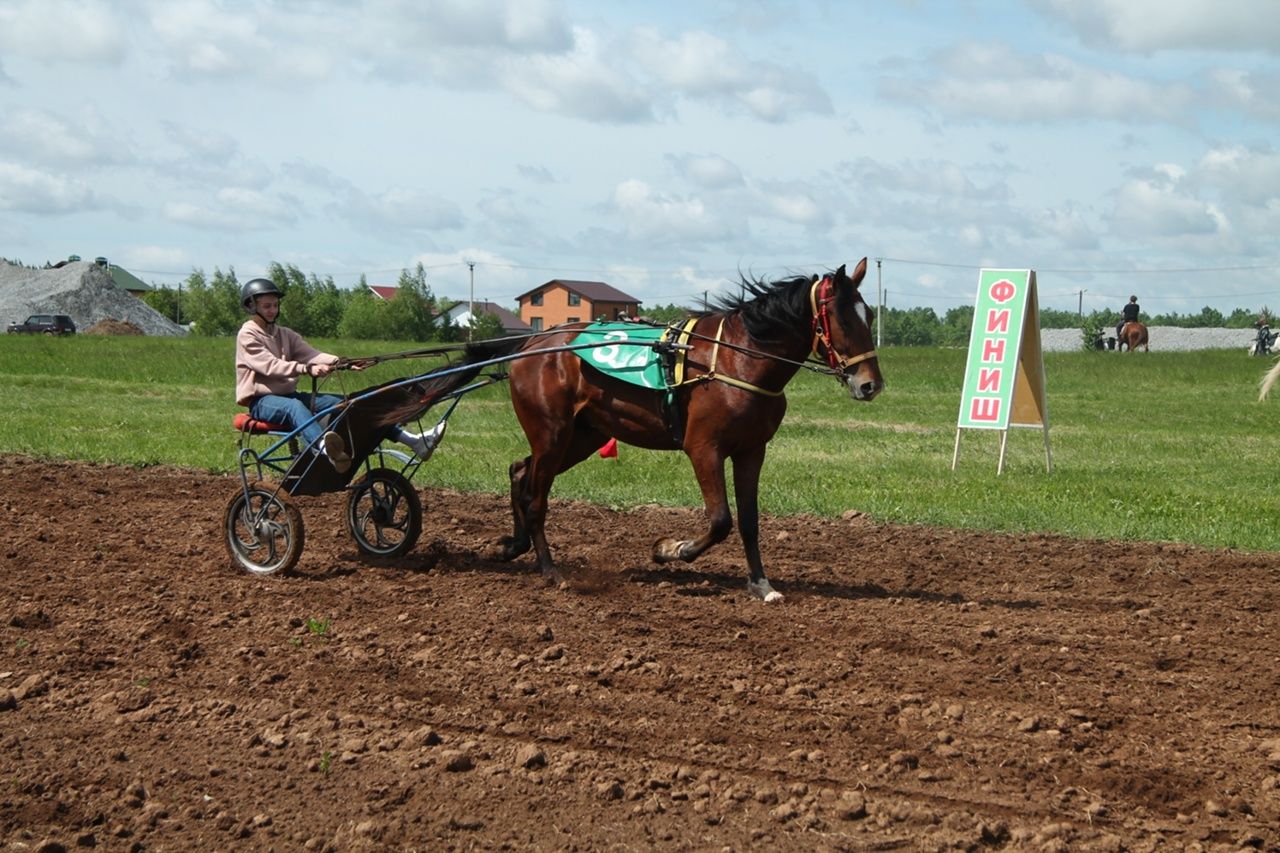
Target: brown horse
730, 404
1133, 335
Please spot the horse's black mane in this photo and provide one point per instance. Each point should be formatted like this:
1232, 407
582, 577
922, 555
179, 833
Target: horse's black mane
773, 311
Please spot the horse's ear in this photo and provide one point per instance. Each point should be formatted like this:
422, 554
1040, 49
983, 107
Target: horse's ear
859, 272
839, 274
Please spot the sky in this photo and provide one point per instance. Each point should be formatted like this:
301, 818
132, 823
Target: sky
1117, 147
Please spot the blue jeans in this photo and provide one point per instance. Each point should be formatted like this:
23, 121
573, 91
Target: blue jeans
293, 410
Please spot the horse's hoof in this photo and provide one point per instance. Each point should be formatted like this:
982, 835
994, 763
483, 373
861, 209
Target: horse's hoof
764, 591
552, 578
512, 547
670, 550
667, 550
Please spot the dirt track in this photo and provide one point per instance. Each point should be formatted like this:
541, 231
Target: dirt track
918, 687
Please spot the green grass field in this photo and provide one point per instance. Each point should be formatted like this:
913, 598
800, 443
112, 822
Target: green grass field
1161, 446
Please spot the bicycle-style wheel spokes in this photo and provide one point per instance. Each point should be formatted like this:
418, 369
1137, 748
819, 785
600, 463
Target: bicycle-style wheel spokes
384, 514
263, 530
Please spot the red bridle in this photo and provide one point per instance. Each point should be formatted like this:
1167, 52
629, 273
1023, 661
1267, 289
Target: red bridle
821, 295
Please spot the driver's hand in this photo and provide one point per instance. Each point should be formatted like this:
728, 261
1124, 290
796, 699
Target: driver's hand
359, 363
320, 371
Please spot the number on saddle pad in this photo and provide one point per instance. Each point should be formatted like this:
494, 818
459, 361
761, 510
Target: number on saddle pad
627, 353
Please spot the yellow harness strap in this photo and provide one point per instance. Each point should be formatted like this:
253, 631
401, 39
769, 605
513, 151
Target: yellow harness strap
685, 331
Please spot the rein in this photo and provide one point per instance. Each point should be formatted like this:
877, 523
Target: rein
821, 295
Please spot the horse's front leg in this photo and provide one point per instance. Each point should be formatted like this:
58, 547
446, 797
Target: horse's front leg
746, 490
708, 467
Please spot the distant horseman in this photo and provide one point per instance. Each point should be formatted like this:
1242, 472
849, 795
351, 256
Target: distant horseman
1128, 314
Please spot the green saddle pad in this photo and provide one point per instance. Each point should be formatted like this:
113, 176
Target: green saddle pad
627, 353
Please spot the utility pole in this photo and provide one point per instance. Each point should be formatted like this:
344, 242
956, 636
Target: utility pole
879, 303
471, 302
704, 302
1080, 306
177, 308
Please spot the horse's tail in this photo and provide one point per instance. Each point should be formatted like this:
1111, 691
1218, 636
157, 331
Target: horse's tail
1267, 381
444, 380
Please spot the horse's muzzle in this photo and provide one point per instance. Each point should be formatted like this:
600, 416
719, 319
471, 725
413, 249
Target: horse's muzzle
864, 390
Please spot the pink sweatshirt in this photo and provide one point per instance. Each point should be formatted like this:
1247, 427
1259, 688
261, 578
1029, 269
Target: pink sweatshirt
271, 362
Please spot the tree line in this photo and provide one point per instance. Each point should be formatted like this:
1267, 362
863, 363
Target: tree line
316, 307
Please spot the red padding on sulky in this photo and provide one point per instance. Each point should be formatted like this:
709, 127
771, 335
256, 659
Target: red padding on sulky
244, 423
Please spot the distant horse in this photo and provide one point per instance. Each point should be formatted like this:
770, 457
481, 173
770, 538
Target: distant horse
728, 406
1133, 335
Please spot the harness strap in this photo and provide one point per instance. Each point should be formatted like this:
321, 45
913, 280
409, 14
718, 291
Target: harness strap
711, 374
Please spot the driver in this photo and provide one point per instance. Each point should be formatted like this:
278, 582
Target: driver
269, 360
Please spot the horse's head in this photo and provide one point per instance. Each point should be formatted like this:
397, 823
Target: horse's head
842, 331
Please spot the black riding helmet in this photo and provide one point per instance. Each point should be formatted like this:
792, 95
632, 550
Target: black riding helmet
255, 287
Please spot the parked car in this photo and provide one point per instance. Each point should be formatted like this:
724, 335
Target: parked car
44, 324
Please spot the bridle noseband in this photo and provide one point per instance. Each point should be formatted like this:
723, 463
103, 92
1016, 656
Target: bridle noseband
821, 295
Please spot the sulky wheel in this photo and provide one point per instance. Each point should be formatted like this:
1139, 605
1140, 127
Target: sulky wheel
263, 529
384, 514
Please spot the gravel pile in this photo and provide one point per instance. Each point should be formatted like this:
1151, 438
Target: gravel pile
83, 290
1163, 339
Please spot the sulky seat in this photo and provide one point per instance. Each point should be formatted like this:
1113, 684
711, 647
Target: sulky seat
244, 422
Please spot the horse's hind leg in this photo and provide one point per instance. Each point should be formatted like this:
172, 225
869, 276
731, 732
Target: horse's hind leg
539, 474
518, 542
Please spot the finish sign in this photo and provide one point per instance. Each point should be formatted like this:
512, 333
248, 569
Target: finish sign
1004, 374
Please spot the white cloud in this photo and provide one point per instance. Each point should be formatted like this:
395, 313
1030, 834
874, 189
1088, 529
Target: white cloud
1251, 176
62, 31
401, 209
207, 145
700, 65
535, 26
41, 136
792, 202
651, 215
156, 258
497, 278
1151, 25
234, 209
256, 207
203, 37
537, 174
933, 178
197, 216
504, 208
1068, 226
973, 237
709, 171
994, 81
28, 190
1154, 208
584, 83
1254, 94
